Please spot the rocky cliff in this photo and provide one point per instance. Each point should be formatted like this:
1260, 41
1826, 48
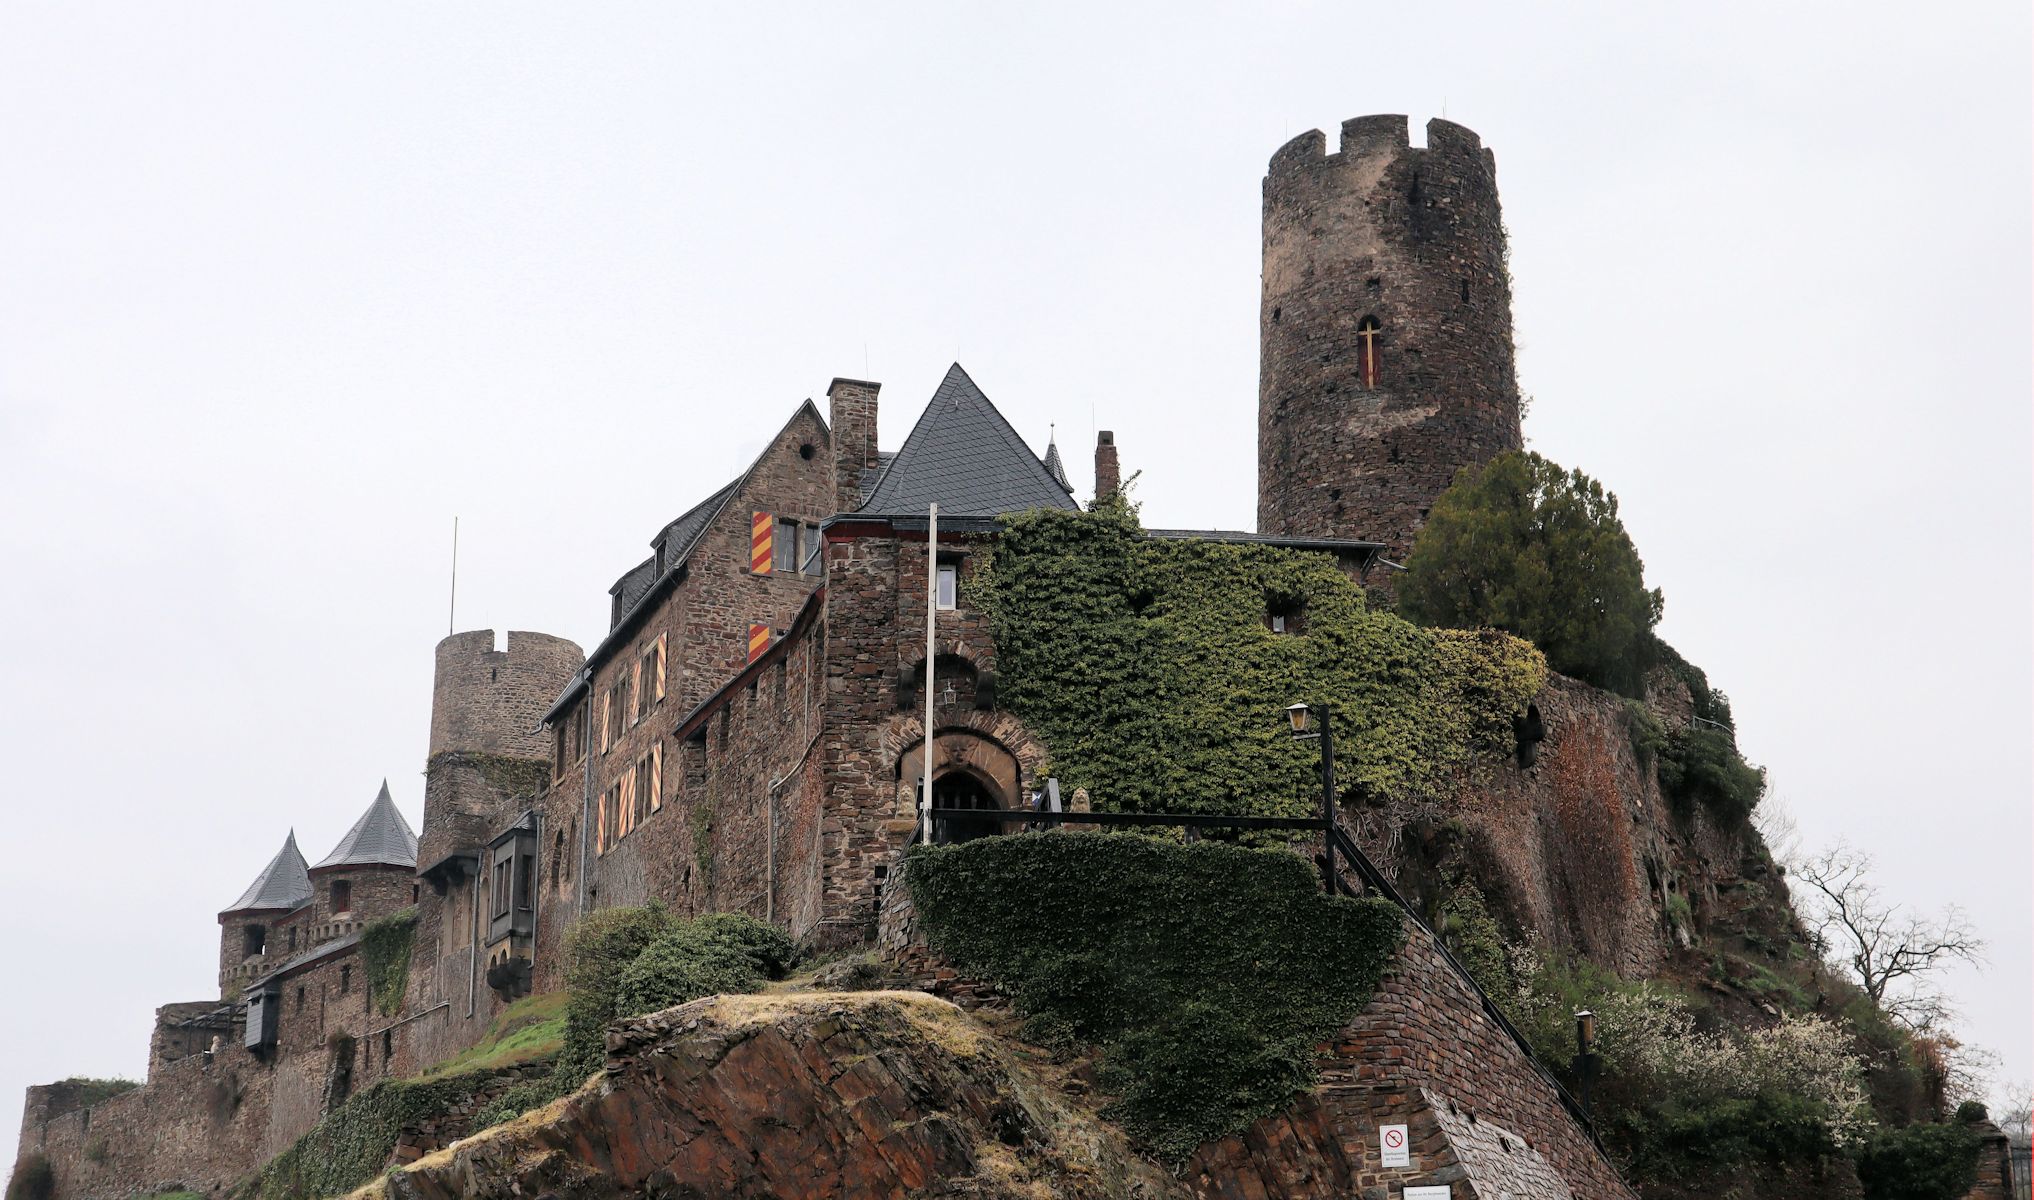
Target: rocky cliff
807, 1094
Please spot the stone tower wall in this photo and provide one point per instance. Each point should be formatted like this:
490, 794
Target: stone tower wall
488, 701
1414, 238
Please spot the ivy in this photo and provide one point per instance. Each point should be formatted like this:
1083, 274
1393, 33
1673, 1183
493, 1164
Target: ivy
351, 1144
33, 1178
1207, 973
1148, 666
385, 954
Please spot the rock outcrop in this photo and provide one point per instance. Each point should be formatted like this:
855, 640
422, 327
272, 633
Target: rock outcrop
798, 1094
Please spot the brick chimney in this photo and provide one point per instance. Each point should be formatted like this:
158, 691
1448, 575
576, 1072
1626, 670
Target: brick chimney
851, 412
1108, 474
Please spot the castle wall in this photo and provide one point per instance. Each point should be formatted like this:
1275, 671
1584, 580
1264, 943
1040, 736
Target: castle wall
198, 1123
704, 623
1413, 240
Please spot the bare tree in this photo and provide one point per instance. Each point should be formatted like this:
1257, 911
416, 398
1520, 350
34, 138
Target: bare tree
1892, 953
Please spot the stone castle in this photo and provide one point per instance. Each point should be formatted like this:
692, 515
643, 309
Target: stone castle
747, 736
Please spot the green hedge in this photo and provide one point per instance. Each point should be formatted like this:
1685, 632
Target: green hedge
385, 955
1919, 1162
1207, 973
1149, 668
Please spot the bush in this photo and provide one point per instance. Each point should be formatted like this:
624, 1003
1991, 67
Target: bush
1919, 1162
33, 1178
682, 966
1524, 546
601, 947
1972, 1112
768, 947
1206, 973
1702, 768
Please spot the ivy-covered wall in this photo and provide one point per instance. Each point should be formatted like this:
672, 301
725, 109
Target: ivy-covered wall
1207, 973
1150, 669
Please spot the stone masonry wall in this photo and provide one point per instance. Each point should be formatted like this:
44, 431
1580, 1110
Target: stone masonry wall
1414, 239
200, 1122
705, 623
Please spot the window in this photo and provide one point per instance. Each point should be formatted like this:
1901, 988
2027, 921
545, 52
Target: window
1285, 614
526, 866
1368, 330
815, 549
345, 980
293, 937
582, 724
559, 749
342, 896
501, 887
300, 997
387, 1046
255, 940
784, 555
650, 679
948, 595
615, 714
642, 787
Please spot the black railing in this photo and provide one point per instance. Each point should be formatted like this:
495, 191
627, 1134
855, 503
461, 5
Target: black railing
1336, 841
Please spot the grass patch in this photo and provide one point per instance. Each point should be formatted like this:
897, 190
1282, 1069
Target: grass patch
530, 1030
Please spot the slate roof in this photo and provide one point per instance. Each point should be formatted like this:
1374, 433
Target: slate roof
963, 456
1055, 467
380, 838
284, 883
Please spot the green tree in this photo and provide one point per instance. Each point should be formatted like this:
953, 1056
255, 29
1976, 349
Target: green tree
1525, 546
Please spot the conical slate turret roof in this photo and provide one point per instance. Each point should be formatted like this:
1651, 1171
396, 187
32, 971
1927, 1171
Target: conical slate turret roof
379, 838
283, 883
1054, 466
964, 456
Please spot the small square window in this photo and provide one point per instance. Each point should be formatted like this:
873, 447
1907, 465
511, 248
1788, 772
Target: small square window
948, 593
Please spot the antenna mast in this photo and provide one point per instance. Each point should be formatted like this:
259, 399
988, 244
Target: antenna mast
452, 609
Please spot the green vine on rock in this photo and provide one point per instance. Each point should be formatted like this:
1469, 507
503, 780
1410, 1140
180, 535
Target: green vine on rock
1151, 669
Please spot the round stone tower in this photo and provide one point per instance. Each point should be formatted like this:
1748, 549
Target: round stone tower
1385, 332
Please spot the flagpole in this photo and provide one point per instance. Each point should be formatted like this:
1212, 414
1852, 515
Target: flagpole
931, 619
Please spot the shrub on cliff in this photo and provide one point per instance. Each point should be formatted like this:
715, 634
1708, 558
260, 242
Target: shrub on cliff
33, 1178
718, 953
1207, 973
601, 947
1919, 1162
1151, 668
1522, 545
1700, 767
351, 1144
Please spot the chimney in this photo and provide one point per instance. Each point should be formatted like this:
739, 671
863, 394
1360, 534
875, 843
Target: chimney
1108, 474
851, 413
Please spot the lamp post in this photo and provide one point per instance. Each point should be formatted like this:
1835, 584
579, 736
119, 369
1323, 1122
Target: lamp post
1299, 715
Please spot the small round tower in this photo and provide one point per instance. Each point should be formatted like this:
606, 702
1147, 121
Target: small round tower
1385, 330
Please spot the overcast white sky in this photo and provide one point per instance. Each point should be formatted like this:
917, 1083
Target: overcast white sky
283, 288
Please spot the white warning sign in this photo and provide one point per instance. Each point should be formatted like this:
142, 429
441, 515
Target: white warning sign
1391, 1141
1436, 1192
